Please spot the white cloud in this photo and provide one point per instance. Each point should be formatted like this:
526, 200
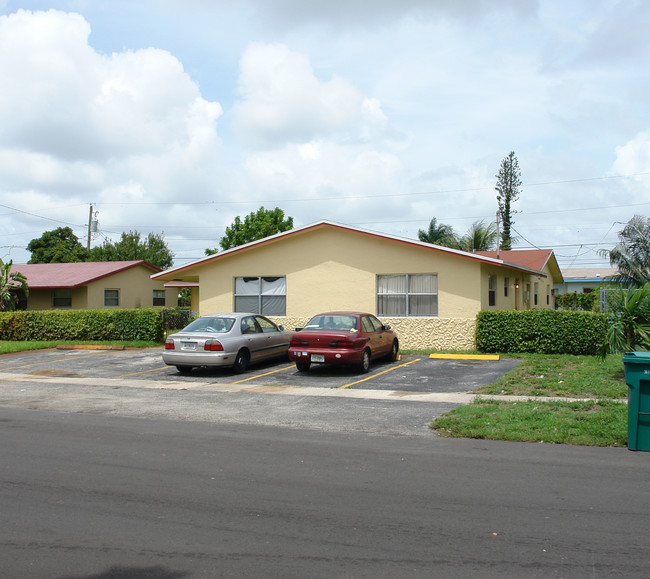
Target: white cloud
282, 100
634, 156
62, 98
633, 159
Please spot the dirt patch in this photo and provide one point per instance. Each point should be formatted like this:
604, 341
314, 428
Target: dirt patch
56, 374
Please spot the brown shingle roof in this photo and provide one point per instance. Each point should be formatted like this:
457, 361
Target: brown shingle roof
72, 275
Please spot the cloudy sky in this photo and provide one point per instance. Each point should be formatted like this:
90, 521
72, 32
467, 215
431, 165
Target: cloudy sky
176, 116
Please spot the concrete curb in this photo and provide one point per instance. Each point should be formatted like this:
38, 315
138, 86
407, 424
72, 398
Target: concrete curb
90, 347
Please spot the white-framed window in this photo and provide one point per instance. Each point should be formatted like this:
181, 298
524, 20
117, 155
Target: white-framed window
407, 294
536, 292
492, 290
111, 298
506, 285
159, 298
266, 295
62, 298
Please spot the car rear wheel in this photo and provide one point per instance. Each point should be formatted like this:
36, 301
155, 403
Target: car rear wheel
184, 369
241, 362
365, 362
303, 366
392, 356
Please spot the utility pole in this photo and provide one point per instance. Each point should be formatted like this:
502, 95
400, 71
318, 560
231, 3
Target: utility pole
92, 225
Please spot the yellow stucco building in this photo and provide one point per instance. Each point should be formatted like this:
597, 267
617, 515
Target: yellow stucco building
91, 285
429, 294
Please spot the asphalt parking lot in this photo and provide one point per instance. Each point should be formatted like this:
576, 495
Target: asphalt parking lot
410, 374
400, 398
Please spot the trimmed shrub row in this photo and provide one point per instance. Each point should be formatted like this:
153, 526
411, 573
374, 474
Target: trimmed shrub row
94, 325
541, 332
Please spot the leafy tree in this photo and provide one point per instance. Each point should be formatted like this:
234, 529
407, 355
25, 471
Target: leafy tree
11, 282
480, 237
628, 326
131, 247
439, 234
508, 184
256, 225
60, 245
631, 255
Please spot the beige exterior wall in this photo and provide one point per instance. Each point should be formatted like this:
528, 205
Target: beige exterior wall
521, 297
135, 291
42, 299
337, 269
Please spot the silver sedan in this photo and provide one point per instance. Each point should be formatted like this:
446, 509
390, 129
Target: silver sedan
234, 340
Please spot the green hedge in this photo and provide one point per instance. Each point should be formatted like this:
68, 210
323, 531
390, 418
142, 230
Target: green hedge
94, 325
541, 332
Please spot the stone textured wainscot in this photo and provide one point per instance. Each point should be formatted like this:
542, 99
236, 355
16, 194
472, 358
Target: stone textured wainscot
418, 333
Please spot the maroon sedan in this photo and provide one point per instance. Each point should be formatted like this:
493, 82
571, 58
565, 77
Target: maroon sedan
342, 338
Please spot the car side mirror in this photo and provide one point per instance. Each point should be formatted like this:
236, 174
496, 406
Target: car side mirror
386, 327
281, 328
298, 329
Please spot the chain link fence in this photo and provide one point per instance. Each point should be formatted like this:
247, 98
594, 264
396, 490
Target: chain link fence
176, 318
605, 297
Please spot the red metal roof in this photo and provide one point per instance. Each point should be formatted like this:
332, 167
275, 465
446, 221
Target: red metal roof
72, 275
530, 258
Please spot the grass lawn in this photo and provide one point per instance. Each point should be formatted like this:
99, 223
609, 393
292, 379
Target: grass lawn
7, 347
562, 375
600, 422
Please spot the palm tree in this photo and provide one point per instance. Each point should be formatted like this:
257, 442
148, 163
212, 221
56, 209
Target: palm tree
10, 283
439, 234
631, 255
628, 326
480, 237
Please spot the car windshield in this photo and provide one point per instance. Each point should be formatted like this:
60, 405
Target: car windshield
332, 322
211, 325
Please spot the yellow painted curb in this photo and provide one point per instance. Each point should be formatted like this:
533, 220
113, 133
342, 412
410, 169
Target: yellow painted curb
465, 356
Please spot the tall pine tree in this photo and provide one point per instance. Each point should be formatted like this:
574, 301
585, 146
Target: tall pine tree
508, 184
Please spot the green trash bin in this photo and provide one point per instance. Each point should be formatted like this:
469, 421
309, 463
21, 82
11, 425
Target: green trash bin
637, 378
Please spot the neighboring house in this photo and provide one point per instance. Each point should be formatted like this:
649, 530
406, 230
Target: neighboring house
584, 280
90, 285
429, 294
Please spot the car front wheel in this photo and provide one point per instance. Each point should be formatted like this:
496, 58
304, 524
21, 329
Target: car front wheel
184, 369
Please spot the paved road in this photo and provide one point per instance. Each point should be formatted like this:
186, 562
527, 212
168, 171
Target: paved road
97, 496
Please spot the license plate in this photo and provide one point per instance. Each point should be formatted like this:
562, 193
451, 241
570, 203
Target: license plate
188, 345
317, 357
